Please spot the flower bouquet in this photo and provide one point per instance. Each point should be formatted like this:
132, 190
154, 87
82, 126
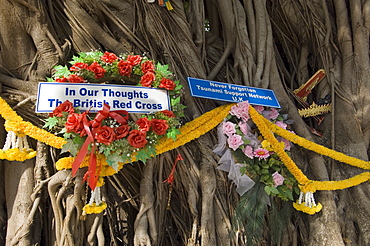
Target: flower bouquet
245, 152
107, 137
257, 171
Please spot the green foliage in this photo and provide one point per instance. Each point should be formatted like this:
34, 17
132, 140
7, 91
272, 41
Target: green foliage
250, 214
145, 154
61, 71
172, 133
278, 219
51, 122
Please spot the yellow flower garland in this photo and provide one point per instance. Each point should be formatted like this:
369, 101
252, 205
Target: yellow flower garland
15, 154
195, 128
23, 127
7, 112
316, 147
265, 126
94, 208
106, 170
278, 148
190, 131
308, 210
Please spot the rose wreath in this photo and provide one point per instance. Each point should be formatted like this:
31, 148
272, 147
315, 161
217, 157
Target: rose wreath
113, 137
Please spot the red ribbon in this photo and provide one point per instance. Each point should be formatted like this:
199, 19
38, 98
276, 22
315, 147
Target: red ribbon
105, 113
91, 175
171, 177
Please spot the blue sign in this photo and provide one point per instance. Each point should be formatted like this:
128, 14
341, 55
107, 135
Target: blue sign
232, 93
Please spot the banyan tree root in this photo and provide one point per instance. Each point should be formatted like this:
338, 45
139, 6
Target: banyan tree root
66, 194
145, 228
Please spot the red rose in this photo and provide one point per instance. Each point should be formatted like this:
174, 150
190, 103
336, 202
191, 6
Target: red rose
78, 66
104, 135
147, 79
75, 124
98, 70
168, 113
73, 78
159, 126
143, 123
147, 66
122, 131
137, 138
61, 80
108, 57
134, 60
125, 68
66, 106
167, 84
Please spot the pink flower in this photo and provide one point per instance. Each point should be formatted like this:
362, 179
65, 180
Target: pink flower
278, 179
228, 128
235, 110
261, 153
259, 109
241, 110
271, 114
235, 141
248, 151
244, 127
281, 124
287, 144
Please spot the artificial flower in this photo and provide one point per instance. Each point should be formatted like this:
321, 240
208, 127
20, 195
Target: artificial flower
97, 69
234, 141
278, 179
228, 128
144, 124
105, 135
167, 84
261, 153
66, 106
147, 79
125, 68
109, 57
159, 126
73, 78
137, 138
147, 67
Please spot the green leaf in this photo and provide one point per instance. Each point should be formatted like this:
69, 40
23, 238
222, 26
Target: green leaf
267, 190
175, 101
61, 71
274, 190
51, 122
113, 164
250, 214
162, 70
71, 147
172, 133
144, 154
76, 59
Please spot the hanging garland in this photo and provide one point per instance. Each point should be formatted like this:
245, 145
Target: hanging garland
18, 129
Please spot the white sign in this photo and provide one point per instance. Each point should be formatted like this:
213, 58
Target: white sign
91, 97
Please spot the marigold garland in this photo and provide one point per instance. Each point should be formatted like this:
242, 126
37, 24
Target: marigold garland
190, 131
195, 128
308, 210
94, 208
23, 127
7, 112
66, 163
15, 154
307, 184
317, 148
278, 148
